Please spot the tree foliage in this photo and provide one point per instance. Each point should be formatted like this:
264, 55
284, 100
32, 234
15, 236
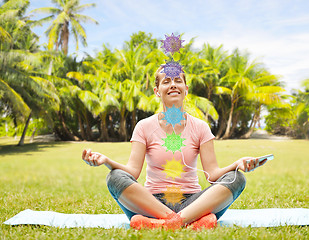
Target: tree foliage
102, 97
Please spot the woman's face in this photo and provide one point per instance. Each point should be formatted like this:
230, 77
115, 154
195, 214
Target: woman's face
171, 92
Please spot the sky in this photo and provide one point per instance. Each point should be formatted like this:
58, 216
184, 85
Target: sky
274, 32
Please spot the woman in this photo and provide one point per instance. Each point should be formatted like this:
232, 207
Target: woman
172, 197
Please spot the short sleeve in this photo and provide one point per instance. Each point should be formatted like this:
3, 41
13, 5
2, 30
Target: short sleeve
138, 134
205, 133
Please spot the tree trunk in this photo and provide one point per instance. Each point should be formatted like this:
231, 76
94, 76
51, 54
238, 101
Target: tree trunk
103, 128
123, 130
208, 97
50, 68
66, 130
252, 126
81, 127
88, 128
111, 131
22, 139
228, 126
65, 38
222, 126
133, 120
234, 123
32, 135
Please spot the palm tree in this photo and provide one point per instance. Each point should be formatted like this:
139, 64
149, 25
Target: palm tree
249, 87
238, 82
98, 99
66, 20
23, 95
262, 96
132, 71
301, 110
215, 68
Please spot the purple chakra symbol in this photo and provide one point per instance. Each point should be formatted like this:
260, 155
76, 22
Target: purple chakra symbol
172, 44
172, 69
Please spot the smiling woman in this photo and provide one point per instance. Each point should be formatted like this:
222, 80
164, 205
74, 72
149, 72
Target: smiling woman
170, 142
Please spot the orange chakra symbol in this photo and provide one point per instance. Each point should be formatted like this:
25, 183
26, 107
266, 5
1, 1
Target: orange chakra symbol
173, 195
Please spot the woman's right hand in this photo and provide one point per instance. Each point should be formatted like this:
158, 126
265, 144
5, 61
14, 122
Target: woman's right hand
93, 158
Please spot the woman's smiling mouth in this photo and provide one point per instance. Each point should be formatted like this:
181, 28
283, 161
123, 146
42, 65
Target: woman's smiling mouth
173, 93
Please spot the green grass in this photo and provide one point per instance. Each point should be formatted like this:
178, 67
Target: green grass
52, 176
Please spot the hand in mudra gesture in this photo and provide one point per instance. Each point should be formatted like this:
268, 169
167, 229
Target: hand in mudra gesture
93, 158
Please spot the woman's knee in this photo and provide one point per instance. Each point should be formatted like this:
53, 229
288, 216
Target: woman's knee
235, 181
113, 176
117, 181
239, 184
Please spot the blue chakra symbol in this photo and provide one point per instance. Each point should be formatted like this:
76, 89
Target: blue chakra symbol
172, 69
172, 43
173, 115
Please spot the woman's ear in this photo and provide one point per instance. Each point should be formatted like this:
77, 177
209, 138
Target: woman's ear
156, 92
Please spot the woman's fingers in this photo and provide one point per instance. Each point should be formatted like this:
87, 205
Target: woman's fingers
87, 157
92, 158
252, 164
95, 159
86, 154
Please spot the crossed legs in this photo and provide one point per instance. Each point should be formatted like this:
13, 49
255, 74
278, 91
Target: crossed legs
135, 199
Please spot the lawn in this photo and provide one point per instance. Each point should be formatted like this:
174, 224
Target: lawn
52, 176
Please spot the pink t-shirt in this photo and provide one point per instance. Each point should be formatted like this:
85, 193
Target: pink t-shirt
167, 164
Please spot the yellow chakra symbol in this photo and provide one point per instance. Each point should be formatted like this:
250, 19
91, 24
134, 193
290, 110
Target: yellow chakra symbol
173, 168
173, 195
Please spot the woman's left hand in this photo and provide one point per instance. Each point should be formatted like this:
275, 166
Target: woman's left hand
247, 164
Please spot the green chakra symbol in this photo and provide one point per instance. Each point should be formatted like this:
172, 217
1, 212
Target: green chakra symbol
173, 142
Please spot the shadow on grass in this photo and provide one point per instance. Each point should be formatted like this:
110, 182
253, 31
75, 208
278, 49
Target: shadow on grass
28, 147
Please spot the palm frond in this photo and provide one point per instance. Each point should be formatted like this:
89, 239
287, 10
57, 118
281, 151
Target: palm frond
91, 101
5, 36
84, 18
222, 90
49, 10
197, 103
80, 8
15, 101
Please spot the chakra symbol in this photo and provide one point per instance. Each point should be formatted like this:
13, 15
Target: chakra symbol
173, 168
173, 115
172, 43
173, 142
173, 195
172, 69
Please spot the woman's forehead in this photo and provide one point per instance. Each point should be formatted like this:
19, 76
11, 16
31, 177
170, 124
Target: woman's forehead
162, 76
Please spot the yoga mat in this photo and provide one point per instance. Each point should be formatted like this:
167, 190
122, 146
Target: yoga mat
271, 217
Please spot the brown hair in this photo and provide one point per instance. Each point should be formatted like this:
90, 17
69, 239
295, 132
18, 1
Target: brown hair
157, 80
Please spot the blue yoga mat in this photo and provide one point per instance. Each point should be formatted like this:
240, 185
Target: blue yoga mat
271, 217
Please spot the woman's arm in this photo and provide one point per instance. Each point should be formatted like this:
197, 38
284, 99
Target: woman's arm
210, 164
134, 165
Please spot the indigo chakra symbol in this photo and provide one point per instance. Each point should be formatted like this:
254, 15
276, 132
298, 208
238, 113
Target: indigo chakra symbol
172, 43
172, 69
173, 115
173, 142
